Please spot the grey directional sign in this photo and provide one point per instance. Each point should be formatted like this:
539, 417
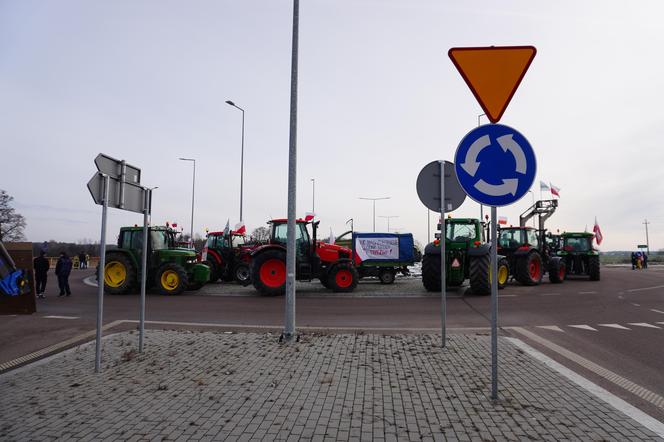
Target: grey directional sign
428, 187
134, 195
114, 169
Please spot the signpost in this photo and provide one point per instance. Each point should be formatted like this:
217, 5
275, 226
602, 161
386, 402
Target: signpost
495, 164
118, 185
642, 246
439, 190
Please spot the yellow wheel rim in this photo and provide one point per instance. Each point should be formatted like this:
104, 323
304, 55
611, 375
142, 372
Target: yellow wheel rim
170, 280
115, 274
503, 274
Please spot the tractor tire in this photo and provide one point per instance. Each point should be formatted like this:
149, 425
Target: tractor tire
431, 273
214, 270
503, 272
529, 269
480, 274
171, 279
324, 278
593, 268
242, 274
268, 272
119, 274
386, 276
557, 270
343, 277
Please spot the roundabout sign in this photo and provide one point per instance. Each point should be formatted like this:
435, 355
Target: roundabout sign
495, 165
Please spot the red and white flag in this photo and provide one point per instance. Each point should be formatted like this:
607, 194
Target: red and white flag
331, 240
309, 216
555, 190
598, 233
502, 220
240, 228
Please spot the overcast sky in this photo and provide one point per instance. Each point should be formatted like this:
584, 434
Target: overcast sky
146, 81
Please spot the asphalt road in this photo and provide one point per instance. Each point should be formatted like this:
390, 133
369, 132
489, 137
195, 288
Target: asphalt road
616, 324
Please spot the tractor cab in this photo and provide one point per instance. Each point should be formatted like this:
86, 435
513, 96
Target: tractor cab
514, 238
580, 256
577, 242
228, 256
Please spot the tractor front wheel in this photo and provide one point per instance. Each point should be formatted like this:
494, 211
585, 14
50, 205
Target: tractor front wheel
268, 272
242, 274
214, 270
343, 277
119, 274
431, 272
529, 269
503, 272
171, 279
557, 270
593, 267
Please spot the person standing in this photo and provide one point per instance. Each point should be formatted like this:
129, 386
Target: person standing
82, 264
41, 266
645, 260
62, 271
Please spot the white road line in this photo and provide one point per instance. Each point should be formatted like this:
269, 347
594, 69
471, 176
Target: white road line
611, 399
659, 322
645, 288
583, 327
549, 294
60, 317
656, 311
618, 326
643, 324
587, 293
505, 296
635, 305
551, 327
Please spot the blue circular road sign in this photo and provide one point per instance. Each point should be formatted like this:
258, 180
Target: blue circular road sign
495, 165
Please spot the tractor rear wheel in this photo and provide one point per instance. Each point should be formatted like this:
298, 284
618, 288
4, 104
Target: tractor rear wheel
431, 272
343, 277
268, 272
386, 276
480, 274
214, 270
171, 279
529, 269
242, 274
557, 270
593, 267
119, 274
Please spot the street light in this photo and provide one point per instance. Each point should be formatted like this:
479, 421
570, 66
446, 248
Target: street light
193, 189
388, 220
533, 194
313, 196
229, 102
374, 207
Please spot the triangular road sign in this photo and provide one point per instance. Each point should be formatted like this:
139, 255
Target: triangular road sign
493, 74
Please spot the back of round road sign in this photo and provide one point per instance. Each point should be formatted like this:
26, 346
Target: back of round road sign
428, 187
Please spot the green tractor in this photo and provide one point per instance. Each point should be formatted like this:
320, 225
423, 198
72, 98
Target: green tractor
467, 257
579, 255
170, 268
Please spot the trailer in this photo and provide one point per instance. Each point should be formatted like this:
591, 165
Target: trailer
380, 255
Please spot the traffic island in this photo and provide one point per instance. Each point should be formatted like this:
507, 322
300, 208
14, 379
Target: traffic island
246, 386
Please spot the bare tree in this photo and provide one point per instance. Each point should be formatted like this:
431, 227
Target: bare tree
260, 234
11, 223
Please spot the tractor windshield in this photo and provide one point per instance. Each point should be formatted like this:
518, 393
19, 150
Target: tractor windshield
579, 244
461, 231
510, 238
238, 240
159, 239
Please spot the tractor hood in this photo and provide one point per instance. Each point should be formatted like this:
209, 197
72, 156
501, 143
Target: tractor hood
183, 253
332, 252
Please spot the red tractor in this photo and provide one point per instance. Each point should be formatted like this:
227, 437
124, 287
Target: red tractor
330, 263
228, 256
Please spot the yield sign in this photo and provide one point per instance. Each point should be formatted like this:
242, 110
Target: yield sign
493, 74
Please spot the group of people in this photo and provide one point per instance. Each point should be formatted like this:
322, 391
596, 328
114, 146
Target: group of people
62, 271
639, 260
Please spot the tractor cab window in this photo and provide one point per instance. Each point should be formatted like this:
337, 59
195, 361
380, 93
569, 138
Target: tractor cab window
211, 241
576, 245
159, 239
237, 241
301, 238
125, 240
532, 239
460, 232
509, 238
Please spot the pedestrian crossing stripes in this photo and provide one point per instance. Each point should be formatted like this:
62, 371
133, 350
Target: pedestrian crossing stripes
593, 327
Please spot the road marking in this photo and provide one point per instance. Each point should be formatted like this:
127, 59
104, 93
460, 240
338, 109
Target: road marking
635, 305
505, 296
60, 317
618, 326
659, 323
656, 311
611, 399
645, 288
91, 281
551, 327
583, 327
587, 293
549, 294
643, 324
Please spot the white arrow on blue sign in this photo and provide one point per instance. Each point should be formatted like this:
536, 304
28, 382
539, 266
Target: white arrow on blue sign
495, 165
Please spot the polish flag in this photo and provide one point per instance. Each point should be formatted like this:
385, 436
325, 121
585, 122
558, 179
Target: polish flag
174, 225
331, 240
543, 186
598, 233
309, 216
240, 228
555, 190
502, 220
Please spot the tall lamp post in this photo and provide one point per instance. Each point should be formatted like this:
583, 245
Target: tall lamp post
229, 102
374, 207
313, 196
533, 195
193, 190
388, 220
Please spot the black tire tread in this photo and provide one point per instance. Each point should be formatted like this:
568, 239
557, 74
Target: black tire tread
431, 273
593, 268
522, 273
342, 266
256, 264
182, 274
480, 282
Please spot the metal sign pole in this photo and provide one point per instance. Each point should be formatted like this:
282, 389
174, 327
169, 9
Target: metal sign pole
289, 320
494, 304
443, 278
101, 273
144, 268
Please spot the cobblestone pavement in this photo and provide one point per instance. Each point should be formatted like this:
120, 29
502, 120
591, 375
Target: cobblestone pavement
220, 386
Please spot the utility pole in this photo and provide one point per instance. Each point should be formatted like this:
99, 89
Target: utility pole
647, 241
